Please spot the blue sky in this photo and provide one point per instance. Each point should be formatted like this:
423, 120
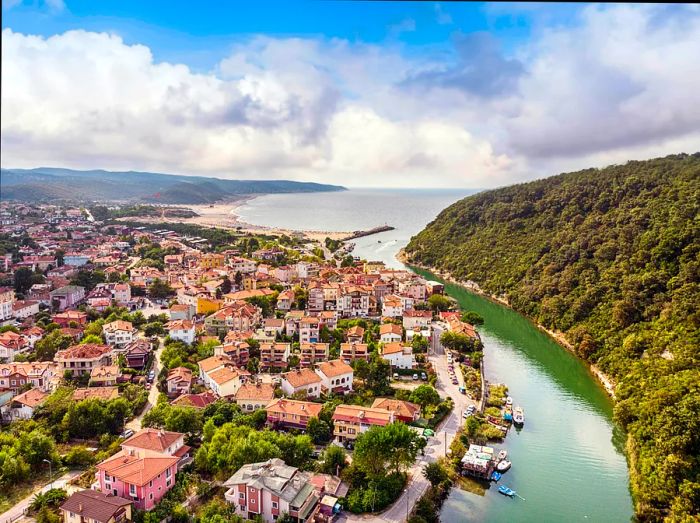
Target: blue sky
200, 33
416, 94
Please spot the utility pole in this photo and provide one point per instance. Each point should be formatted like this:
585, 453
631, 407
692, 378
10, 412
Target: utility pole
50, 471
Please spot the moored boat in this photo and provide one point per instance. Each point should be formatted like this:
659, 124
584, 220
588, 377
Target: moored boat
518, 416
502, 455
509, 400
506, 491
503, 465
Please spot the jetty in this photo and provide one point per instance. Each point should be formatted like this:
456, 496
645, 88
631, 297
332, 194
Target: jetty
368, 232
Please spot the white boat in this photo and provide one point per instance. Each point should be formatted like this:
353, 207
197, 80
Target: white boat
509, 400
503, 465
518, 416
502, 455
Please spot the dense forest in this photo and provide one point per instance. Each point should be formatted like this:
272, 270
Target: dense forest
611, 258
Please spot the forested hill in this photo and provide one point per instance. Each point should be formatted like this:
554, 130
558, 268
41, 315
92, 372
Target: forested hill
51, 184
611, 258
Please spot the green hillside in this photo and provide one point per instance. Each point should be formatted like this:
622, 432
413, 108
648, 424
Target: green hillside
611, 258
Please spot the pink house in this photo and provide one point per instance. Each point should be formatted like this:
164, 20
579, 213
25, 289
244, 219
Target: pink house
142, 477
144, 470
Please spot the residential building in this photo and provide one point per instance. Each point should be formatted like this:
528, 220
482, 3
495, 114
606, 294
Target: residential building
197, 401
302, 382
403, 410
285, 299
312, 353
274, 356
119, 332
137, 353
353, 301
81, 359
254, 396
350, 421
398, 355
64, 319
7, 299
336, 376
182, 330
91, 506
179, 381
66, 297
288, 413
390, 332
392, 306
15, 376
12, 344
353, 351
269, 489
355, 334
416, 320
237, 351
25, 309
23, 405
104, 376
143, 477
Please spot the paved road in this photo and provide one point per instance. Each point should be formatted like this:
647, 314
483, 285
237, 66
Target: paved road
18, 510
135, 424
437, 447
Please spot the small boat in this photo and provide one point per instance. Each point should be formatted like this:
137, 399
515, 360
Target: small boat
509, 400
495, 476
518, 416
506, 491
502, 455
503, 465
508, 416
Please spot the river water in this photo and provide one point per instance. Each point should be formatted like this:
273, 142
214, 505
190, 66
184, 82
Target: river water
567, 460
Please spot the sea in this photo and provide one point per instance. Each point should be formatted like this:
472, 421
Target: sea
408, 210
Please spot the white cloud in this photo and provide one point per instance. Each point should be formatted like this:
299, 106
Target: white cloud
622, 84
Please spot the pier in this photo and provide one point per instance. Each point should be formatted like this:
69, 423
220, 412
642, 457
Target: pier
369, 232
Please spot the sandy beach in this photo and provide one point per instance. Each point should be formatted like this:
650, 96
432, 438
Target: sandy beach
224, 215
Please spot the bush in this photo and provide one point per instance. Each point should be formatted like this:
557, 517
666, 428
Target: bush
79, 457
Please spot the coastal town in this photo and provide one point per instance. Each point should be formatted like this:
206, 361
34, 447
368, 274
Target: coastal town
159, 374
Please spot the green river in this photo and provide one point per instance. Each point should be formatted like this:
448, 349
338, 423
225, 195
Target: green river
567, 459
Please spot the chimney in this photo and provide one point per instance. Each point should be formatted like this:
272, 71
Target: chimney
80, 507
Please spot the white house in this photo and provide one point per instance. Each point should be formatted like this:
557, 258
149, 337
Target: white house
182, 330
398, 355
301, 381
336, 376
390, 332
416, 320
119, 332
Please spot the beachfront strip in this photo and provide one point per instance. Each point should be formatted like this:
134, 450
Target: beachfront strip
275, 329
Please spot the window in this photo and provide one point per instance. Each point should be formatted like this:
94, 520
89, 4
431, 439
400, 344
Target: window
167, 483
241, 495
168, 473
132, 490
150, 483
274, 504
150, 496
252, 501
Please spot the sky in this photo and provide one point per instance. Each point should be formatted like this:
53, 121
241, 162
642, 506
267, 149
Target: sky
384, 94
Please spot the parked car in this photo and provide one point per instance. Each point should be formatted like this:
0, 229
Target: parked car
423, 376
471, 408
396, 375
415, 376
127, 434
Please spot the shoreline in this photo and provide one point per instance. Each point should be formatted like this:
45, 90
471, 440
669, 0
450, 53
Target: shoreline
223, 214
603, 379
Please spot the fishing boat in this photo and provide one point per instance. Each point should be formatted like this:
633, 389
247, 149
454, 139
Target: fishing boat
502, 455
518, 416
508, 414
506, 491
495, 476
503, 465
509, 400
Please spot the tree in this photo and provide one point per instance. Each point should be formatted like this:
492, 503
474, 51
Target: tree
419, 344
154, 328
319, 430
333, 460
160, 289
225, 285
438, 302
425, 395
47, 347
435, 473
473, 318
88, 279
377, 380
238, 279
23, 280
390, 447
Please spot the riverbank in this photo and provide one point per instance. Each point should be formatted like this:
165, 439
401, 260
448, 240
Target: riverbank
603, 379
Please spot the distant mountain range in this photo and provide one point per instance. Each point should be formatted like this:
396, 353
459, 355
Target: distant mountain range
51, 184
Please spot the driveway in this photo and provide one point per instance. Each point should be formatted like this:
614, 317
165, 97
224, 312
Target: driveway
19, 509
135, 424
